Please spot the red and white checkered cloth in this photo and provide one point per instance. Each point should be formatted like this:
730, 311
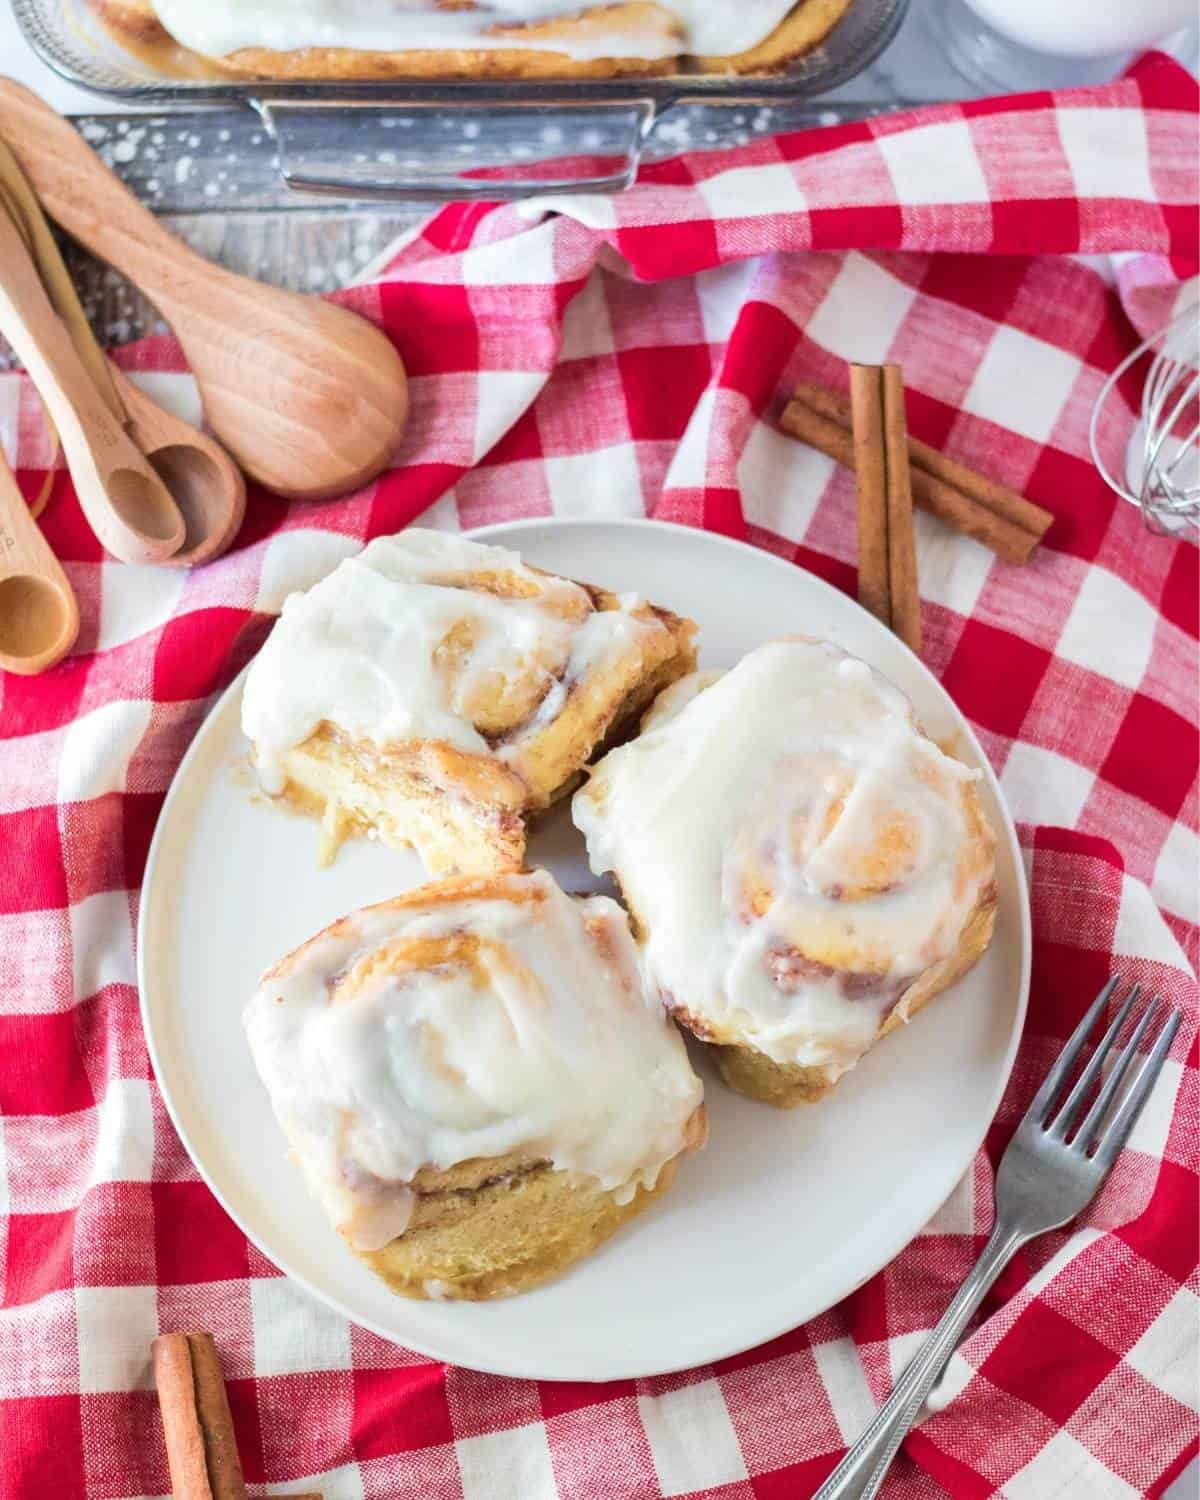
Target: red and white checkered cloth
614, 356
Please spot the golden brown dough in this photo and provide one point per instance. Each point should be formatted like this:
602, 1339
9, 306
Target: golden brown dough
805, 28
493, 1228
131, 21
486, 62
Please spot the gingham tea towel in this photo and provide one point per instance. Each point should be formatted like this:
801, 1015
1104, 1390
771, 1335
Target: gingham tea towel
604, 357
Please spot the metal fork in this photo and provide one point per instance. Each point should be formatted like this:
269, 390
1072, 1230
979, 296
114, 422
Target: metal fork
1043, 1182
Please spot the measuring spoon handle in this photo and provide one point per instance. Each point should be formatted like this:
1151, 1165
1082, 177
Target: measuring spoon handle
126, 503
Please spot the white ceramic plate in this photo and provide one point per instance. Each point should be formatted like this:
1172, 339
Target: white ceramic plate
780, 1217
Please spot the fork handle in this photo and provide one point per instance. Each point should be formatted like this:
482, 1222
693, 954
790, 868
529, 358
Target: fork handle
861, 1472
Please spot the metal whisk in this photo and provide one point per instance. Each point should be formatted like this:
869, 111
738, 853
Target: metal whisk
1162, 466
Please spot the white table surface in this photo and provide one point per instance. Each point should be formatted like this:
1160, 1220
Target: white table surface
18, 61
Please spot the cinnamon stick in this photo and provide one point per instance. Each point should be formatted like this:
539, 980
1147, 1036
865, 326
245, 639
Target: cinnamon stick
978, 507
902, 540
870, 468
201, 1450
887, 556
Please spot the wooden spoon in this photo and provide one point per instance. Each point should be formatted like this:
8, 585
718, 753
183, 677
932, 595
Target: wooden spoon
126, 503
308, 397
202, 479
39, 615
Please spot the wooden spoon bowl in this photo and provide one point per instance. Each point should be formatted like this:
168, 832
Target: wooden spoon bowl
139, 503
308, 397
39, 615
202, 479
35, 622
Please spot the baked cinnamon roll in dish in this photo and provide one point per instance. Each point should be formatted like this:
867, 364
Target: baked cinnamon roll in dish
434, 691
474, 1082
805, 868
471, 38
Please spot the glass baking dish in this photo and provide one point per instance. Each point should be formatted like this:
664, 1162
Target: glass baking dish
389, 139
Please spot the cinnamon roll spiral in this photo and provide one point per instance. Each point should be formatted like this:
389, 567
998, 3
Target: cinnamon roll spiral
474, 1083
435, 691
806, 868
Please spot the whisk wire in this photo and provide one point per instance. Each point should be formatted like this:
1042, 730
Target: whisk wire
1168, 466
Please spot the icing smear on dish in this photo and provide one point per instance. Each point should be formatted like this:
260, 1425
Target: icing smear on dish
716, 28
796, 849
514, 1020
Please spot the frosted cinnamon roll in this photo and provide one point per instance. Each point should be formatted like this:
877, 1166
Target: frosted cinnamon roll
474, 1083
434, 692
805, 868
468, 38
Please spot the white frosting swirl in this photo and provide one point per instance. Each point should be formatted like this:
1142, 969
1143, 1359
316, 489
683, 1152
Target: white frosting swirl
413, 637
469, 1019
216, 28
796, 850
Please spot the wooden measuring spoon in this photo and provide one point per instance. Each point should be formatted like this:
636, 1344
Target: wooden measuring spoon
202, 479
126, 503
39, 615
309, 398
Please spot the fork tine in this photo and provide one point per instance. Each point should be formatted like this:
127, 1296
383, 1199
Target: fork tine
1057, 1075
1066, 1115
1113, 1140
1086, 1135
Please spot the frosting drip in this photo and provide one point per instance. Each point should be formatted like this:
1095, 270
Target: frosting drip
494, 1017
797, 850
219, 27
429, 636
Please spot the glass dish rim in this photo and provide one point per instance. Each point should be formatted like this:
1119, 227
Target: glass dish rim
811, 76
